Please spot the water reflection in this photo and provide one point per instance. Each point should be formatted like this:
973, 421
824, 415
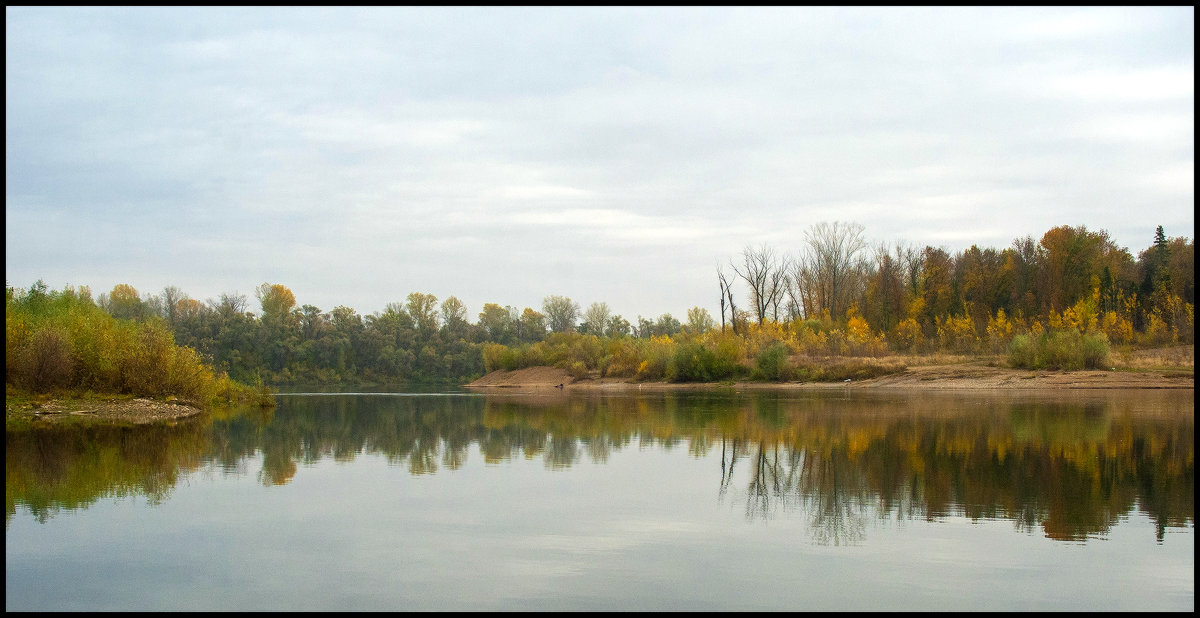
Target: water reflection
1069, 466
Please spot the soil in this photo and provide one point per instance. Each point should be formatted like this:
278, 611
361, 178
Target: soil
115, 411
968, 375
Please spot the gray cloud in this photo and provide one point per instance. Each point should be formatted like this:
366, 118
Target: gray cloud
615, 154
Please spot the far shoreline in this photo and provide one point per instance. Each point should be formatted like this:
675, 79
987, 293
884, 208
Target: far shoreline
969, 376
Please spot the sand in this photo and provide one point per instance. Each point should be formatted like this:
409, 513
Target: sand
972, 375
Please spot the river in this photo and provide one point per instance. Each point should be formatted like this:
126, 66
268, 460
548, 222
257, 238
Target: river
545, 500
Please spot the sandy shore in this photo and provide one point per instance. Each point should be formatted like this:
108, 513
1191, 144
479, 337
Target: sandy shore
976, 375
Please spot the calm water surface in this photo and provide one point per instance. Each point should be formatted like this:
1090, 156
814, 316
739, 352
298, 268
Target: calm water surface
696, 501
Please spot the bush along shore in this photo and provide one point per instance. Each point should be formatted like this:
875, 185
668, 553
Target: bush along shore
61, 347
797, 353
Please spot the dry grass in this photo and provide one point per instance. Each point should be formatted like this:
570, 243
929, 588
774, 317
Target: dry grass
921, 360
1176, 357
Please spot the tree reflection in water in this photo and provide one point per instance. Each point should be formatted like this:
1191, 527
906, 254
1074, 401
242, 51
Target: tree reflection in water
1071, 466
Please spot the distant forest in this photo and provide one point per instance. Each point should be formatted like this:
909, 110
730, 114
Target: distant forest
833, 295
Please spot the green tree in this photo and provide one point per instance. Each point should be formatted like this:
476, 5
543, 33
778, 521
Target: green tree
699, 320
562, 313
423, 309
596, 318
454, 319
497, 324
666, 325
533, 325
617, 327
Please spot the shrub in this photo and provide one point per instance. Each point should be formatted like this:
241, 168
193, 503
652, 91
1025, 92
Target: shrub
772, 363
1095, 351
1022, 352
63, 341
47, 362
695, 362
497, 356
1060, 349
656, 354
623, 357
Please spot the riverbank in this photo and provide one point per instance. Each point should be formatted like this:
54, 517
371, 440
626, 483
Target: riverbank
116, 410
1171, 369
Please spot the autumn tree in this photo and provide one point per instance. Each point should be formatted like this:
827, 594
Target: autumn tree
980, 277
937, 288
276, 300
187, 309
279, 334
884, 306
1023, 262
1072, 260
1181, 264
124, 302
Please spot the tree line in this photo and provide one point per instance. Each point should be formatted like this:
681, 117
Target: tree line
833, 295
420, 340
913, 295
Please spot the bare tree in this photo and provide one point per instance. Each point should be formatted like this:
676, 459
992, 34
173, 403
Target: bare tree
831, 267
727, 297
231, 304
171, 296
908, 259
794, 286
764, 272
778, 285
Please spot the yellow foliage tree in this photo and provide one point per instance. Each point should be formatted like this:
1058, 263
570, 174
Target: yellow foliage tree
999, 332
907, 335
277, 300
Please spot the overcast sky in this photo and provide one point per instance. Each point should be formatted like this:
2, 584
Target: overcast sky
605, 154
